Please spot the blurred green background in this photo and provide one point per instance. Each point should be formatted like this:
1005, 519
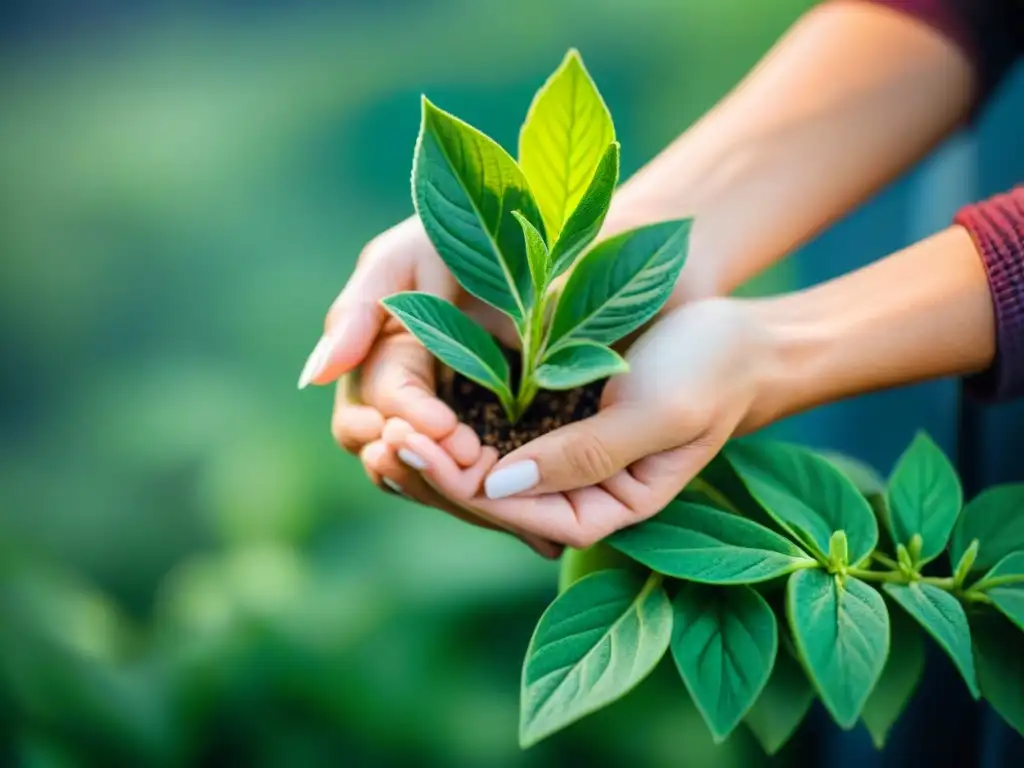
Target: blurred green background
191, 573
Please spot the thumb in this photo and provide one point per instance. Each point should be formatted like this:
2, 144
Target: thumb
582, 454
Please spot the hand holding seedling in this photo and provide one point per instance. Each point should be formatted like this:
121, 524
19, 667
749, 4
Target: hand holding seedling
695, 380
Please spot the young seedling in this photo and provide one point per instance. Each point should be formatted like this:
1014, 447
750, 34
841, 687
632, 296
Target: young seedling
508, 230
770, 518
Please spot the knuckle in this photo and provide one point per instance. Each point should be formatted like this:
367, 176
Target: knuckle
581, 538
343, 434
588, 458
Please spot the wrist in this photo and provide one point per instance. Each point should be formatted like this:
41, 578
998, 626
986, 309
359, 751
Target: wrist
794, 345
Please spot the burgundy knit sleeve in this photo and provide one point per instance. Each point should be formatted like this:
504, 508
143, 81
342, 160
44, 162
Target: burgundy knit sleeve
989, 32
997, 226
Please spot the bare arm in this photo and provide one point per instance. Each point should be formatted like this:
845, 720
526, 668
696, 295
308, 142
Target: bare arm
851, 96
922, 313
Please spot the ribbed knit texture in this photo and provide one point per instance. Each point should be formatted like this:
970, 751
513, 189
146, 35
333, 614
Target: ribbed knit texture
997, 226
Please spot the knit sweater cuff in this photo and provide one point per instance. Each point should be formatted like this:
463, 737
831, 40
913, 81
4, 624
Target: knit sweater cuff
997, 226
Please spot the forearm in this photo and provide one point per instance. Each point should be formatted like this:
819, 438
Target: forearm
851, 96
922, 313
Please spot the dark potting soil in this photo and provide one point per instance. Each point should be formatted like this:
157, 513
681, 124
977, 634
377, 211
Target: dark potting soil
480, 409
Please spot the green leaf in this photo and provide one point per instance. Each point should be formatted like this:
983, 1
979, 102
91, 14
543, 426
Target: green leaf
577, 364
700, 543
724, 643
722, 485
536, 255
999, 651
465, 188
942, 617
577, 563
925, 497
620, 284
841, 629
899, 680
963, 567
456, 340
871, 485
806, 494
567, 129
782, 705
995, 518
865, 478
593, 645
1004, 584
584, 224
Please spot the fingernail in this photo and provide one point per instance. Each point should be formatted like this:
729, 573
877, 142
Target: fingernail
393, 485
414, 460
513, 479
317, 360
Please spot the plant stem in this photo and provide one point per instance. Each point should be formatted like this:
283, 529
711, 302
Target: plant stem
943, 582
894, 577
532, 345
885, 560
970, 596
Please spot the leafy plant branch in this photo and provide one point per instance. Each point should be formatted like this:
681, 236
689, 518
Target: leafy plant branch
509, 228
768, 517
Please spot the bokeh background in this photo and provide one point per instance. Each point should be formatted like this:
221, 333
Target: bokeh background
191, 573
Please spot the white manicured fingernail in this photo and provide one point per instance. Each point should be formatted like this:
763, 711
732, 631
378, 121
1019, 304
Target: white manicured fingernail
393, 485
414, 460
317, 361
513, 479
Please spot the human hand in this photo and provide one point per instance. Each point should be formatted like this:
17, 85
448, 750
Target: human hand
697, 377
395, 373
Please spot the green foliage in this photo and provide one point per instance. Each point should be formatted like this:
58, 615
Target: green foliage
783, 704
453, 338
762, 515
807, 496
925, 498
599, 639
724, 643
508, 230
1004, 586
995, 518
841, 629
943, 617
700, 543
899, 680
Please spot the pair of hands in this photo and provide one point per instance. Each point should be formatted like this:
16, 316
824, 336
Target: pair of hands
694, 382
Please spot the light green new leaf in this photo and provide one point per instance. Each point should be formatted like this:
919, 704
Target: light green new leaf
577, 563
806, 494
841, 629
999, 651
996, 518
620, 284
925, 497
724, 643
700, 543
782, 705
585, 222
941, 616
567, 129
452, 337
465, 188
1004, 584
593, 644
899, 680
577, 364
536, 256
